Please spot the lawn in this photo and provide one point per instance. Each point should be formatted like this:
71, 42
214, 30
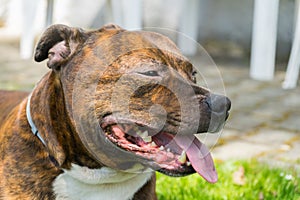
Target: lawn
237, 180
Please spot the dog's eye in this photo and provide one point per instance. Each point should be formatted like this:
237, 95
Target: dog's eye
194, 79
194, 73
150, 73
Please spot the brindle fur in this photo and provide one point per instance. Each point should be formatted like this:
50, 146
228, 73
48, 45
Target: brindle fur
27, 167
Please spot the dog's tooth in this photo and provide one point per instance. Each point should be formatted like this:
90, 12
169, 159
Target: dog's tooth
153, 144
182, 157
144, 134
161, 148
188, 163
147, 139
168, 149
139, 133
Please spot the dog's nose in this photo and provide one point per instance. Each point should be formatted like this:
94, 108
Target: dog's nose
218, 104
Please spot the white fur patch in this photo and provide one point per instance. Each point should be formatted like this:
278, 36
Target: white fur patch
82, 183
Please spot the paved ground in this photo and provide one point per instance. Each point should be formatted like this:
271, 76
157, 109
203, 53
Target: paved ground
264, 121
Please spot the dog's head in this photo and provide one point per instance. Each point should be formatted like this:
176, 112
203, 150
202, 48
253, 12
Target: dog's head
133, 99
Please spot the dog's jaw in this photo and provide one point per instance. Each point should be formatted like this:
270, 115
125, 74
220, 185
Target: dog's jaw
105, 183
174, 155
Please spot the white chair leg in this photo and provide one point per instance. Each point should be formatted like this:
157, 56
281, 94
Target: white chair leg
264, 39
29, 9
189, 27
116, 12
293, 67
132, 14
49, 17
127, 13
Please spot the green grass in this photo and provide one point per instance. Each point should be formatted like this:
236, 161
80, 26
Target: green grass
261, 183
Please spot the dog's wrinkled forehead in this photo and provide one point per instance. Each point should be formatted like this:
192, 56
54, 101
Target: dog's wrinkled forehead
60, 44
110, 45
131, 40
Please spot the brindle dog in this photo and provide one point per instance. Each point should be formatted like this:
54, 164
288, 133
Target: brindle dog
116, 106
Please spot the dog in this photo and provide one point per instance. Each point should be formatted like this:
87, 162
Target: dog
115, 107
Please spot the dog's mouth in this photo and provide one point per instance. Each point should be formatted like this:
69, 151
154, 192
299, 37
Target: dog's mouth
173, 155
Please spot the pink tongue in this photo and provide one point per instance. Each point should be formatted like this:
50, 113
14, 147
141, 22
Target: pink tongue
199, 156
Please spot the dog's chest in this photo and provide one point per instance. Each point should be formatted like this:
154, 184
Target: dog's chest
81, 183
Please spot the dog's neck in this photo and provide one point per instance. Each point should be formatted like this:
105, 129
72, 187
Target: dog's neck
34, 130
52, 109
76, 182
104, 183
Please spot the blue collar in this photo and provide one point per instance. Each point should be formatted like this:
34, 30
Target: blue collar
34, 130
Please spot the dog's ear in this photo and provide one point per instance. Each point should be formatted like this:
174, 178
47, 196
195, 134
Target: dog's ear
58, 43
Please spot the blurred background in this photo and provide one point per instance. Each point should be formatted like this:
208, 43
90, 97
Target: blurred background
255, 45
